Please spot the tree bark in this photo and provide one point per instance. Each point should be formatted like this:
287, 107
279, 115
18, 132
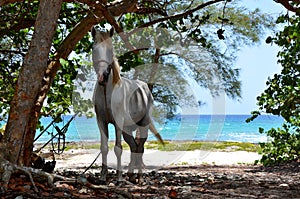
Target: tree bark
20, 130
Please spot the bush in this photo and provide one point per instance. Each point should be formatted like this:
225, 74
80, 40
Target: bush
283, 147
282, 96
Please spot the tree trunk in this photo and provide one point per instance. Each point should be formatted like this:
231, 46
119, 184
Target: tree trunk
20, 130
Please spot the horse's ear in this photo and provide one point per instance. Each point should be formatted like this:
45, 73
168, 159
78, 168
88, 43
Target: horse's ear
111, 32
93, 30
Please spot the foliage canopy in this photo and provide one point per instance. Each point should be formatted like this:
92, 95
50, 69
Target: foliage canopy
188, 25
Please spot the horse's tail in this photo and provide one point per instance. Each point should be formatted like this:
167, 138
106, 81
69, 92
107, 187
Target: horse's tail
156, 133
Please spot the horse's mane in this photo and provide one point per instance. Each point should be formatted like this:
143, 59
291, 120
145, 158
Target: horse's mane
116, 71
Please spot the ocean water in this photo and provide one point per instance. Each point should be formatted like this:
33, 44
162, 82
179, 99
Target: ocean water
183, 127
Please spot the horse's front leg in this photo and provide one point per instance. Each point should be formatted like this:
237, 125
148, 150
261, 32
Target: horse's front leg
104, 150
118, 152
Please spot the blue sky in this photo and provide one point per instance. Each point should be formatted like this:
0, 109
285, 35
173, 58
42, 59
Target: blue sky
257, 63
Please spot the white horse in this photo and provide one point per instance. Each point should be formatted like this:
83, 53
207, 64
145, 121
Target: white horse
122, 102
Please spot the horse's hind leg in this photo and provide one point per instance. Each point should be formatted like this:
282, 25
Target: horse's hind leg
137, 140
129, 139
143, 135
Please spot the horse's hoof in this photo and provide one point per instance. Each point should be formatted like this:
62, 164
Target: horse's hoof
141, 181
132, 178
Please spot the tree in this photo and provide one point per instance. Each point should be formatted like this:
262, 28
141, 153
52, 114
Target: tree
53, 82
282, 96
18, 138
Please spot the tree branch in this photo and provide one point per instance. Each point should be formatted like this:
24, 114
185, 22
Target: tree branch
65, 49
116, 8
110, 18
289, 6
203, 5
5, 2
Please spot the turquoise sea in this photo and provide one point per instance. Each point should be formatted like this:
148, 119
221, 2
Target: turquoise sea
181, 127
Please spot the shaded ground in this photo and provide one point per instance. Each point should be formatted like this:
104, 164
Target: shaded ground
205, 181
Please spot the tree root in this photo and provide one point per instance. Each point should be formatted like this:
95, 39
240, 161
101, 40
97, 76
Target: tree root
7, 169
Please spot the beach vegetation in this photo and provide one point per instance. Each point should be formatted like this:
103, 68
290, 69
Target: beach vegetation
282, 95
174, 146
183, 163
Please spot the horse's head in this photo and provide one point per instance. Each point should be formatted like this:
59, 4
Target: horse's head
102, 54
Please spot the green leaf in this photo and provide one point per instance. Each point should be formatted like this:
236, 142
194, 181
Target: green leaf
269, 40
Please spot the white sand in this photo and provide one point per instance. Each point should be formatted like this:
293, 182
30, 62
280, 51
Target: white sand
156, 159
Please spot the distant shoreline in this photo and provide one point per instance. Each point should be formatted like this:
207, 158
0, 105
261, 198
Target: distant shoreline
170, 145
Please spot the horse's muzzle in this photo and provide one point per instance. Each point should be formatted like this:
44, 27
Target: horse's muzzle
102, 83
106, 75
103, 79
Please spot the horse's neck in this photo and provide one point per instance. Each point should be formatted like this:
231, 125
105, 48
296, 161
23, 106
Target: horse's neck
110, 83
116, 72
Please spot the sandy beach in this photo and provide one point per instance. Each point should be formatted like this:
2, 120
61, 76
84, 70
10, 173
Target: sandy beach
155, 159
